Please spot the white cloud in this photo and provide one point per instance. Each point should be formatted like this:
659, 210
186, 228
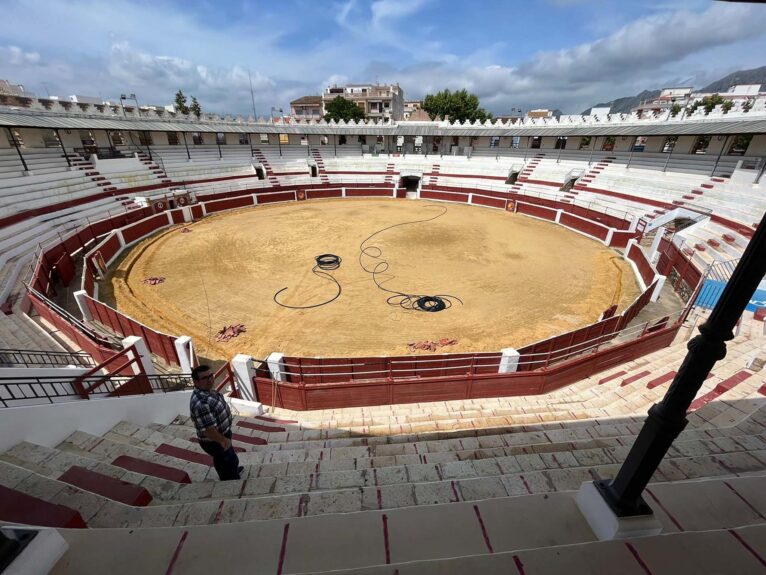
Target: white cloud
15, 56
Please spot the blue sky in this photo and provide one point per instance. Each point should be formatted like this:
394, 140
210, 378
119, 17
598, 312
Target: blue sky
565, 54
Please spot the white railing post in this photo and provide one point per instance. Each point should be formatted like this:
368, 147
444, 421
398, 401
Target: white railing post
144, 357
509, 362
244, 372
656, 243
658, 288
80, 297
187, 359
276, 365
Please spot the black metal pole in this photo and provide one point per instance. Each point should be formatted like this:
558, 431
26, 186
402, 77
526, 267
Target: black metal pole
718, 159
18, 150
592, 149
335, 145
630, 157
186, 144
148, 148
279, 143
673, 147
63, 149
217, 143
668, 418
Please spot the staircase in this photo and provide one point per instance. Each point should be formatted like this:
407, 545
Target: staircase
155, 169
323, 177
261, 158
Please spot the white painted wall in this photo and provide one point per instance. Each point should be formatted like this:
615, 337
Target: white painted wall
50, 424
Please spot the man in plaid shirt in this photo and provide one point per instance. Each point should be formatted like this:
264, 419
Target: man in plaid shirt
212, 418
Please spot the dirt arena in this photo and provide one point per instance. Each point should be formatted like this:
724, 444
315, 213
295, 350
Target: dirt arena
520, 279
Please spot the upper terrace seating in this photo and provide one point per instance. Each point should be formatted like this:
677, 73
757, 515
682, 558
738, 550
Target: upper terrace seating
359, 487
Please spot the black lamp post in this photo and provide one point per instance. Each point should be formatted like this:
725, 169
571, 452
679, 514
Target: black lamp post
668, 417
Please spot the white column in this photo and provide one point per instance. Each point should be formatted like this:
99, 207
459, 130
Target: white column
609, 235
509, 362
187, 214
244, 372
120, 237
186, 356
658, 288
656, 243
343, 191
558, 215
627, 248
276, 366
80, 297
143, 354
204, 211
255, 199
170, 217
633, 223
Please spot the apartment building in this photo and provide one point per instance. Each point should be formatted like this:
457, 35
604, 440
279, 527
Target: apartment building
378, 102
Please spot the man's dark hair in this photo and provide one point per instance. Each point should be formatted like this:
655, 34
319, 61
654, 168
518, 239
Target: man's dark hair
198, 370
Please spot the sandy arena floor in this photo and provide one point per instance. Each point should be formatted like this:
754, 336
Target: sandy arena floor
520, 279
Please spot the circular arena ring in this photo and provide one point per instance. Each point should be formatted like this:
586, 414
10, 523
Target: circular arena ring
512, 279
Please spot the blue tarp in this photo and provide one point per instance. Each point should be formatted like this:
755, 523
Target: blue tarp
712, 290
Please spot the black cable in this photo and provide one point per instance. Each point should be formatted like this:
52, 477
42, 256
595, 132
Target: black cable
416, 302
324, 263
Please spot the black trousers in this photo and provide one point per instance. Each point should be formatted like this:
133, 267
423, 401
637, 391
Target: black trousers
225, 461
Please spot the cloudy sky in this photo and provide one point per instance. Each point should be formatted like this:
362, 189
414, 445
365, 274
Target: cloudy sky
565, 54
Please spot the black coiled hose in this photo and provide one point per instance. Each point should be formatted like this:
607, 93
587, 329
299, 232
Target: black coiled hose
324, 263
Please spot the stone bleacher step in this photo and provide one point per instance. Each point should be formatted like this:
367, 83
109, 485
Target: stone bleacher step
18, 507
106, 486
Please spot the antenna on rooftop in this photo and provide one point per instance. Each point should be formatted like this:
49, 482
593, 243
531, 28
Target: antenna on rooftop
252, 95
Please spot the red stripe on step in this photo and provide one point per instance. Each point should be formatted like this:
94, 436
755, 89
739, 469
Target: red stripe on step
744, 544
177, 553
483, 529
632, 378
668, 513
638, 558
526, 485
218, 514
184, 454
660, 380
519, 565
611, 377
270, 420
259, 427
247, 439
724, 386
745, 501
385, 539
454, 491
283, 549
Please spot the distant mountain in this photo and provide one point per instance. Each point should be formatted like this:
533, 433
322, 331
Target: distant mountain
626, 104
754, 76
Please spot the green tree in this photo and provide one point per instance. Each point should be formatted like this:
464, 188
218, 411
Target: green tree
181, 106
459, 106
342, 109
195, 108
674, 109
726, 106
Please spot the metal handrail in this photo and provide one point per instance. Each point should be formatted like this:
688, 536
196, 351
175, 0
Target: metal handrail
32, 390
38, 358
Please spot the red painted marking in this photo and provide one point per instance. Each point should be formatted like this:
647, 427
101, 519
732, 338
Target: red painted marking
724, 386
632, 378
152, 469
638, 558
259, 427
184, 454
416, 448
483, 529
282, 550
18, 507
106, 486
380, 498
423, 459
385, 539
439, 472
247, 439
454, 492
177, 553
745, 501
217, 517
660, 380
519, 565
244, 483
745, 544
668, 513
375, 475
526, 485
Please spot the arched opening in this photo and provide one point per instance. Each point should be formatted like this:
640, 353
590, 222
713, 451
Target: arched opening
568, 184
314, 170
513, 175
409, 183
260, 172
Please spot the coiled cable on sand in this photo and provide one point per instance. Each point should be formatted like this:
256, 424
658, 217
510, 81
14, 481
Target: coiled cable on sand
324, 263
378, 267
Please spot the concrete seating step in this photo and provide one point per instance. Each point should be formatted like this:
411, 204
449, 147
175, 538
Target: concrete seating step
109, 487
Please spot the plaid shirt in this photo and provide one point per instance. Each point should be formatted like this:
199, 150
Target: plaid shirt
209, 409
